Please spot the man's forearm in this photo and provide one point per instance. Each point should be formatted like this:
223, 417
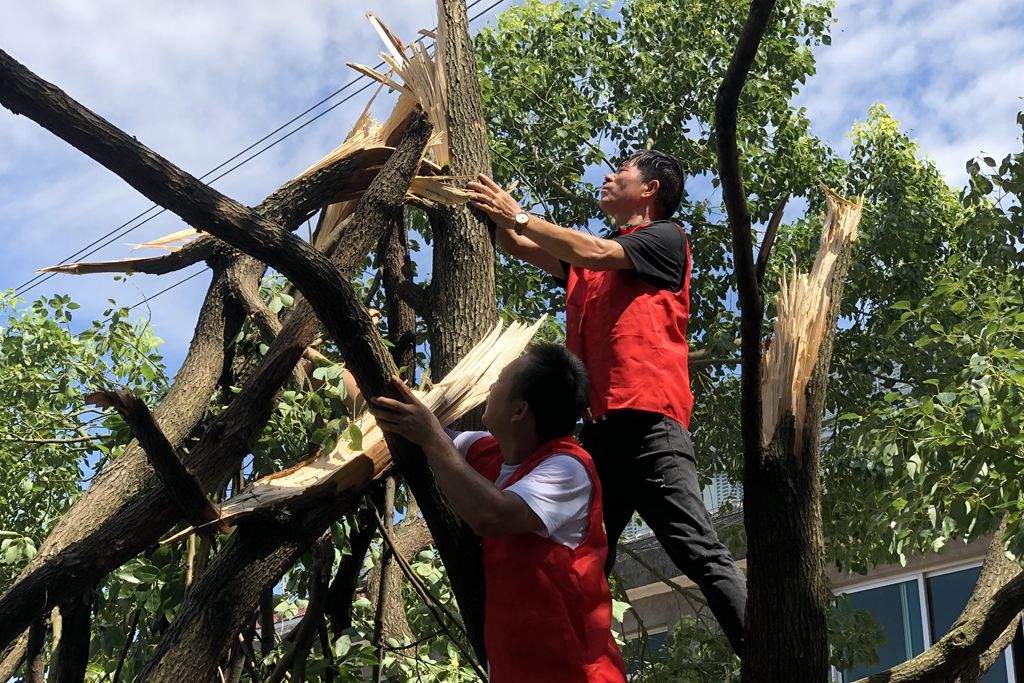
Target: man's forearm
574, 247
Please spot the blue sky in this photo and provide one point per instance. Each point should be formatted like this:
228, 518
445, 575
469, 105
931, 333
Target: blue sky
200, 81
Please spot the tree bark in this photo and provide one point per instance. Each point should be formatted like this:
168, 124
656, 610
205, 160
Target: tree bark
252, 561
411, 538
395, 270
34, 662
72, 656
462, 295
183, 488
342, 591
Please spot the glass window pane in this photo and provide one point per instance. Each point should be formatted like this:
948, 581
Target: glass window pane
947, 596
897, 612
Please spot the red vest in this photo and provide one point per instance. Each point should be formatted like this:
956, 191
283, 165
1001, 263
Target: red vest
631, 336
548, 610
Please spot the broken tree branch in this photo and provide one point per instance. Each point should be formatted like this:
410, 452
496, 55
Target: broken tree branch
193, 252
181, 485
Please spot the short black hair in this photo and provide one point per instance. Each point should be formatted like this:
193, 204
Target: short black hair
665, 168
555, 386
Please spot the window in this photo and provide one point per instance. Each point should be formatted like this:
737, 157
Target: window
897, 611
915, 611
947, 595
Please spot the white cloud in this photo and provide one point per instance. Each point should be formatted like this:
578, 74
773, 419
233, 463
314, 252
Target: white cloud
951, 72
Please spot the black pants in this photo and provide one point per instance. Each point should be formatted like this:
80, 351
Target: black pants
646, 465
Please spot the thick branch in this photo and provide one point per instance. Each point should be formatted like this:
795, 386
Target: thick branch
247, 294
411, 537
735, 200
193, 252
338, 605
981, 632
182, 486
769, 240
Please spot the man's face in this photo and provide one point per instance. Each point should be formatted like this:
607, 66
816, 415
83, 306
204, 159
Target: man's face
624, 192
503, 407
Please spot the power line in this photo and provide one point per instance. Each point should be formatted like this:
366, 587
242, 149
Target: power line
96, 245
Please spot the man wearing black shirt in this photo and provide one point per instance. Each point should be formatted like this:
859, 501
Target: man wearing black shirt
627, 308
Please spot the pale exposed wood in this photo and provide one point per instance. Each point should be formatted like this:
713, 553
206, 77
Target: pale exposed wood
465, 388
800, 324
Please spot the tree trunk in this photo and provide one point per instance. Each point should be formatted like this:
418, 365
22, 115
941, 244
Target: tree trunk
462, 298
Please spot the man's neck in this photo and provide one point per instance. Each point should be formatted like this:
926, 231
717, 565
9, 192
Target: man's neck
517, 448
639, 217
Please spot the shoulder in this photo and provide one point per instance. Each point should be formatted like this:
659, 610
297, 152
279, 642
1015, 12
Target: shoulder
465, 440
667, 230
560, 469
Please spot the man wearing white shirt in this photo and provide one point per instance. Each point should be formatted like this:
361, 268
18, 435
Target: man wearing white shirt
532, 493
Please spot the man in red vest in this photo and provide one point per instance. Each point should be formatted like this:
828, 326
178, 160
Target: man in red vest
627, 308
533, 495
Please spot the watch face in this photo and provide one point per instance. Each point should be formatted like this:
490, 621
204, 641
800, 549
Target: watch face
522, 218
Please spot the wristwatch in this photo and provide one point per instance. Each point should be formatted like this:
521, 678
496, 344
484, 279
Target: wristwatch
522, 218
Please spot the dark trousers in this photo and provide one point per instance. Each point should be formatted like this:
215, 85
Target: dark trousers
646, 465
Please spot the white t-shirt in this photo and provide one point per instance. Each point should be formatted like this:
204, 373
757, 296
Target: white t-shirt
557, 490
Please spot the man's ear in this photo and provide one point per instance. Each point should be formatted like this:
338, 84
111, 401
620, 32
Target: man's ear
521, 412
652, 188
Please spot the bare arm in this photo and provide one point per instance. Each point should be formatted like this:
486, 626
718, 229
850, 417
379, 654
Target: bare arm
488, 510
543, 243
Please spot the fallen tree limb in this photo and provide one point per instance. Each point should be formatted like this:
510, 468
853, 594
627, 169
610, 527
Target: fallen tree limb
193, 252
180, 484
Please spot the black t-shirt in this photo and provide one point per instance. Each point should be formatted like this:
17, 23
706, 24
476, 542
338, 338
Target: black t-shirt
658, 253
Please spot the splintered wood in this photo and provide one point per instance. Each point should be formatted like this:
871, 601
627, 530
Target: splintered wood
800, 324
419, 81
465, 388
